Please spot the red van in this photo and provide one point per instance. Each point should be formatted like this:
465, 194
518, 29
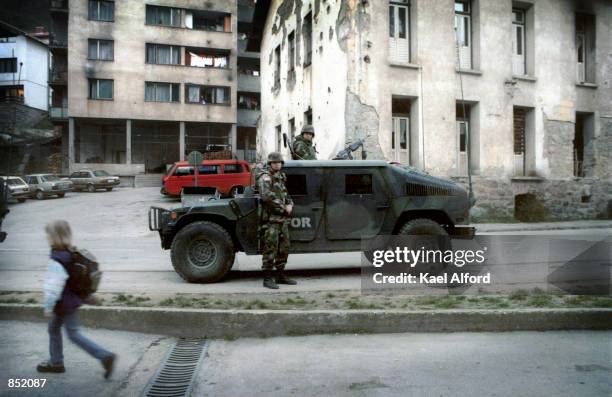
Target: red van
230, 177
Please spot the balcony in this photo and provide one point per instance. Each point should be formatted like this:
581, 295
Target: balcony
56, 42
58, 113
58, 5
247, 117
248, 83
58, 76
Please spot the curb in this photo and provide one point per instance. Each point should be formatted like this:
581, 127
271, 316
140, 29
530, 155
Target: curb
493, 229
267, 323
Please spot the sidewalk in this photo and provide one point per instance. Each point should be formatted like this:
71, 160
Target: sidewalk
536, 226
24, 344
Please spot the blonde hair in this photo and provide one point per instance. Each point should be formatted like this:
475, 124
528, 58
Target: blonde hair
59, 234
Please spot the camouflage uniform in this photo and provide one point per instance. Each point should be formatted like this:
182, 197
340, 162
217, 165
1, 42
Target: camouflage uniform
303, 149
274, 219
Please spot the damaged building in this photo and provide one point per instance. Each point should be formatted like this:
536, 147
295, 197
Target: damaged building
521, 88
139, 85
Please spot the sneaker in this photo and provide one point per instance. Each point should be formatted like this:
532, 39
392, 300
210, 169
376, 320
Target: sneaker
46, 366
109, 364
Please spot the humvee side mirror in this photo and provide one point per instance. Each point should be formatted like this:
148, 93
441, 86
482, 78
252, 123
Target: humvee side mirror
285, 139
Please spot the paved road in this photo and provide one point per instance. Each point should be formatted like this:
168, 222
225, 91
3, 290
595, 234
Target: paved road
113, 225
571, 363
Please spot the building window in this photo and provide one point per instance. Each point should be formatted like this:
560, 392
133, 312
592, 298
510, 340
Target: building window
277, 66
161, 92
207, 58
11, 93
401, 141
207, 95
101, 10
208, 20
249, 100
524, 150
248, 67
583, 145
164, 16
100, 89
100, 50
462, 112
518, 42
163, 54
279, 135
585, 48
292, 127
8, 65
291, 41
463, 32
307, 38
399, 31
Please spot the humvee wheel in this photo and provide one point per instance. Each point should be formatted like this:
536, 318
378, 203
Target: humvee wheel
202, 252
427, 227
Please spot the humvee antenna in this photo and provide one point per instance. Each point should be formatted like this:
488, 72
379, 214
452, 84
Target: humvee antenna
468, 149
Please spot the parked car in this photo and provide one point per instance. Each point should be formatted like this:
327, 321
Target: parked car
45, 185
229, 177
17, 187
91, 180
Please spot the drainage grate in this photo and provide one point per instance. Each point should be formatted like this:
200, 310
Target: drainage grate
175, 375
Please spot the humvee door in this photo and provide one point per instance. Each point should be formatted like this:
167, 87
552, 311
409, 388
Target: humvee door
304, 186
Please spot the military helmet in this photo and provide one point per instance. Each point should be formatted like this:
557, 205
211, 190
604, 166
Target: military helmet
275, 157
308, 129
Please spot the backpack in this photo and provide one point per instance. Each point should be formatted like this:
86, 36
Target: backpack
84, 275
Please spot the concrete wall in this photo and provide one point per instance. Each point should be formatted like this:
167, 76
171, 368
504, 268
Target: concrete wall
33, 77
351, 82
129, 70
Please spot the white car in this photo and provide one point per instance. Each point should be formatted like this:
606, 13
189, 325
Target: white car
18, 188
44, 185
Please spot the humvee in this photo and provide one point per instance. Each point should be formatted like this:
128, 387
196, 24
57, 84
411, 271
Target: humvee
337, 203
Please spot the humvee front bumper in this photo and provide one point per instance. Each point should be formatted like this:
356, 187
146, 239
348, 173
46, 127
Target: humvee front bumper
463, 232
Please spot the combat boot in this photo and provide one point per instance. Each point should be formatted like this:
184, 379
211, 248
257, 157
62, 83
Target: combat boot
268, 282
281, 278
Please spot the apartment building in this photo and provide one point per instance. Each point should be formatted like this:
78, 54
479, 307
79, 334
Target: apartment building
521, 87
140, 84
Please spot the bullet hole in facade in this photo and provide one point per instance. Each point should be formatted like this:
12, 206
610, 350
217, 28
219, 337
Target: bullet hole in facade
329, 89
328, 9
366, 59
331, 33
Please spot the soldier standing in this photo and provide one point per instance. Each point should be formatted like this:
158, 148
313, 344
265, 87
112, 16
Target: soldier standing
276, 209
302, 146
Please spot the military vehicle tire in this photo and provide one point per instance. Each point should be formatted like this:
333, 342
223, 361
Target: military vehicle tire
427, 227
202, 252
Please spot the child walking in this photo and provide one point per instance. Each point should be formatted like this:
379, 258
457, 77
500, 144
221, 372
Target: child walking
61, 303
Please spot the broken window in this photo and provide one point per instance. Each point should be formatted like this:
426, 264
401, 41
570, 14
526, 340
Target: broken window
100, 89
100, 50
162, 54
585, 48
518, 42
164, 16
278, 131
308, 117
292, 127
207, 58
8, 65
277, 66
11, 93
307, 38
463, 33
248, 66
207, 95
249, 100
583, 145
291, 42
208, 20
399, 31
524, 151
101, 10
161, 92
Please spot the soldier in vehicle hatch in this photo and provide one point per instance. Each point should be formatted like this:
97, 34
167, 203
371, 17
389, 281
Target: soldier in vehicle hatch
275, 216
302, 145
